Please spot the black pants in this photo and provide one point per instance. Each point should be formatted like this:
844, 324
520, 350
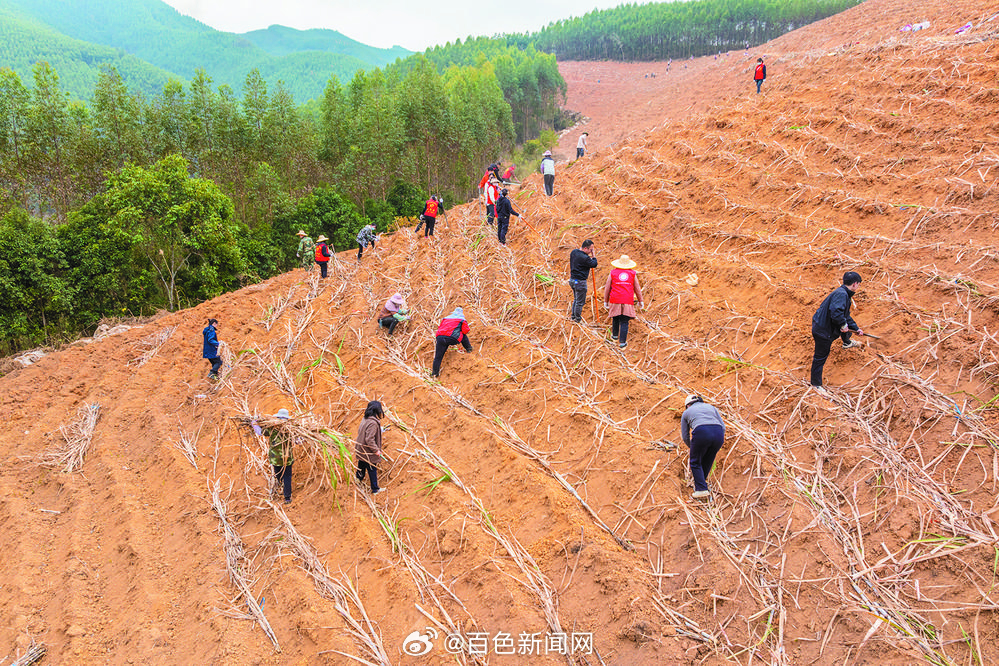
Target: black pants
283, 475
360, 249
822, 347
390, 323
502, 225
363, 467
578, 298
430, 222
579, 152
705, 443
549, 184
619, 328
443, 342
216, 364
490, 213
322, 268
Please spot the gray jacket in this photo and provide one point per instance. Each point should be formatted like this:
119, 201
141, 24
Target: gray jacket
698, 414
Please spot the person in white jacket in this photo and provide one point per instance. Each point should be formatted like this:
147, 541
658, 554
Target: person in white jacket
548, 170
581, 145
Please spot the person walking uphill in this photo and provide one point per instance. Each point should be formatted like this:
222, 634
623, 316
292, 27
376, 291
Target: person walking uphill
833, 320
322, 255
504, 209
393, 312
368, 447
760, 75
305, 251
365, 237
279, 453
620, 292
210, 348
548, 171
580, 263
703, 431
453, 329
429, 215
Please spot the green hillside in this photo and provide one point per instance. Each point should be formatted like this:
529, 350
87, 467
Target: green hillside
152, 31
26, 40
279, 40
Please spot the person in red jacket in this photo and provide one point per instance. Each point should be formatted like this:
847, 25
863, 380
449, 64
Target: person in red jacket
760, 75
620, 292
492, 194
453, 329
322, 255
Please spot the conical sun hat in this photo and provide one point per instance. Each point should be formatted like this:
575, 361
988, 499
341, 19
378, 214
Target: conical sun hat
624, 262
321, 239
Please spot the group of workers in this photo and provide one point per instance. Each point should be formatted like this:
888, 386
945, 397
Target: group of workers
702, 427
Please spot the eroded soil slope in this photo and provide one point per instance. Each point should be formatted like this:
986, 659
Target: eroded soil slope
531, 490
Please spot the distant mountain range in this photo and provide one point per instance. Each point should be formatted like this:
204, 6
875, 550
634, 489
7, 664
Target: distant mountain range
149, 41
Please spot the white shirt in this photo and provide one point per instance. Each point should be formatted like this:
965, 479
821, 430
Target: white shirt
582, 141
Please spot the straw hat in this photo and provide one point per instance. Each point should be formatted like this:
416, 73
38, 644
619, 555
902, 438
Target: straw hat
282, 414
301, 233
624, 262
321, 239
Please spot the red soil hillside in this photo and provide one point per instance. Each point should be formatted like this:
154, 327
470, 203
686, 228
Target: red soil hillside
530, 490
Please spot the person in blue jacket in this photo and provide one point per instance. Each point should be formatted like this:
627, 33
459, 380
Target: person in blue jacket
211, 348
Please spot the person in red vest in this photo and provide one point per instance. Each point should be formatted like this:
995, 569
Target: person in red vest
620, 292
492, 194
453, 329
428, 217
760, 75
322, 255
508, 174
491, 170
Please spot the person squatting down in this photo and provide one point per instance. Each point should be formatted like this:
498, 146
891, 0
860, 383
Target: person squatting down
365, 237
368, 447
279, 454
305, 251
453, 329
504, 209
833, 320
548, 171
620, 292
210, 348
580, 263
322, 255
703, 431
393, 312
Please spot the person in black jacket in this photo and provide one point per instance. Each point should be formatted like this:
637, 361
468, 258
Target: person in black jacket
580, 263
504, 209
833, 320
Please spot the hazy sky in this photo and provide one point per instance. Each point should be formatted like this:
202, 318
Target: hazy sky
413, 24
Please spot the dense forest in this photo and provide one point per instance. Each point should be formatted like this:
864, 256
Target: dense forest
664, 30
134, 203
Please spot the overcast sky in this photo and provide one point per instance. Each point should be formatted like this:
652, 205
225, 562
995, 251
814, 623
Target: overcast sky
412, 24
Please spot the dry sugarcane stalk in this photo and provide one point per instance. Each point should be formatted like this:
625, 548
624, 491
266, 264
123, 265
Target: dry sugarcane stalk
151, 344
236, 561
68, 455
35, 652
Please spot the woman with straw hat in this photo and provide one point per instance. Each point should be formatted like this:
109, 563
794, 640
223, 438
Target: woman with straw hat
620, 292
322, 255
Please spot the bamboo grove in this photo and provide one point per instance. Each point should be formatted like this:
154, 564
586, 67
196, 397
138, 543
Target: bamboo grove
130, 204
662, 30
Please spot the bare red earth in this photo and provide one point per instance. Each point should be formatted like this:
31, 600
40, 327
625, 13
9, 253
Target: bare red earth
852, 529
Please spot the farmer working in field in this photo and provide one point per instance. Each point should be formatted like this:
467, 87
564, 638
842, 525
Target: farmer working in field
279, 453
620, 292
368, 447
703, 431
580, 263
492, 194
581, 145
306, 248
547, 168
428, 217
760, 75
504, 209
365, 237
393, 312
833, 320
453, 330
322, 255
210, 348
